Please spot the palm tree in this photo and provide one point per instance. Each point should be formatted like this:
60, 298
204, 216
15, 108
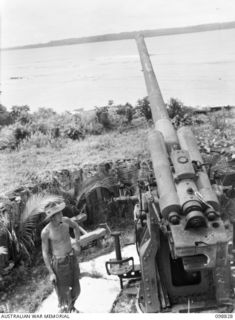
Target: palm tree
22, 237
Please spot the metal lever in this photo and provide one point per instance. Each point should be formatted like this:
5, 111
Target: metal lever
119, 267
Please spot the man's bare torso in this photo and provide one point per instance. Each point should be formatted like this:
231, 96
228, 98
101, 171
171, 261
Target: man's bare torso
59, 239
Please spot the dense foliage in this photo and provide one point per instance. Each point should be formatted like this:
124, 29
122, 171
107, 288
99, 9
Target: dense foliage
5, 118
21, 128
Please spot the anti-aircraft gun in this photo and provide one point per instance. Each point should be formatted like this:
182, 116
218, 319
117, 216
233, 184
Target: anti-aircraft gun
181, 237
182, 242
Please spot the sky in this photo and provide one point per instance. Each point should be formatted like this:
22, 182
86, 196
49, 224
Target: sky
38, 21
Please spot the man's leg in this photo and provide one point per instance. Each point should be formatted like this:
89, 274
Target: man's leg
63, 283
76, 289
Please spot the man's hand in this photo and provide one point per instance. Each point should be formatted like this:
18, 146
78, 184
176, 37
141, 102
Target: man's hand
77, 248
53, 278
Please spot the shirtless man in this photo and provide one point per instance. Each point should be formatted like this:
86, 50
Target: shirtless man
60, 256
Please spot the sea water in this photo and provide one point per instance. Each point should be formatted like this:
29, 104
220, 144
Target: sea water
197, 68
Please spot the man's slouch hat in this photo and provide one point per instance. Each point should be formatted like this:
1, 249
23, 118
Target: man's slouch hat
53, 209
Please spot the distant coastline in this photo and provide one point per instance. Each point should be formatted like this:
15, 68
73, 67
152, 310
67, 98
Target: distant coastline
129, 35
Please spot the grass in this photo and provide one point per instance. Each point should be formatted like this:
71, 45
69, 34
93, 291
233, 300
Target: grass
25, 165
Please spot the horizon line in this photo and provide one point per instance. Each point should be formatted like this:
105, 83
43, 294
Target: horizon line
125, 35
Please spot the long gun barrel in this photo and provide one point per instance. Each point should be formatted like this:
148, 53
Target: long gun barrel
156, 100
158, 107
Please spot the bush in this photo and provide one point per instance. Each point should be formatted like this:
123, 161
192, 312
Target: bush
55, 132
20, 114
13, 135
178, 113
126, 111
143, 106
21, 133
7, 138
4, 116
73, 133
94, 128
90, 123
102, 114
47, 121
45, 113
175, 108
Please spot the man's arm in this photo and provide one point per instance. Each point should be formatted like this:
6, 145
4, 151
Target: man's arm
45, 250
73, 225
76, 230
